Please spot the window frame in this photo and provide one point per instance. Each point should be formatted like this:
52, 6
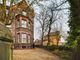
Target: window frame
23, 38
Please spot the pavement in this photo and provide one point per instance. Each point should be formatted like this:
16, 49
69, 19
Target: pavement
34, 54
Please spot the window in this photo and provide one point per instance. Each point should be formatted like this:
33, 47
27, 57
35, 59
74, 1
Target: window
23, 38
24, 13
18, 38
9, 26
23, 23
29, 38
29, 26
18, 23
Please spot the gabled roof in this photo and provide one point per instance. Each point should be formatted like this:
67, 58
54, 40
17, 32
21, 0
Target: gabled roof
23, 6
53, 34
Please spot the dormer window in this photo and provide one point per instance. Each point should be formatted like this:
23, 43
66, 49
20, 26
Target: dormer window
24, 13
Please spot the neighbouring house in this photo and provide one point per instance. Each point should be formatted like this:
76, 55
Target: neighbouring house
54, 38
37, 42
22, 27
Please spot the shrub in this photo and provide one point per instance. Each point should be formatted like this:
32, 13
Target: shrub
54, 47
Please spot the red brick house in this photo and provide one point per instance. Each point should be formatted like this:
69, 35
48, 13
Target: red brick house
22, 27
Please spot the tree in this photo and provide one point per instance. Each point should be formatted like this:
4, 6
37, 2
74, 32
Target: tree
53, 18
6, 18
54, 9
42, 18
74, 24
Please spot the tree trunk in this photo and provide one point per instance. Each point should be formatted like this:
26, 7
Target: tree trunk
42, 35
76, 54
4, 5
78, 51
50, 23
42, 40
4, 10
49, 37
57, 41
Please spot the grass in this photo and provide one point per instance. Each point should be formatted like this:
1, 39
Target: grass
64, 55
63, 52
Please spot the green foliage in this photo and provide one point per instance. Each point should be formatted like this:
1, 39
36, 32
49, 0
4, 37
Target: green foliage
74, 22
64, 55
12, 1
55, 47
71, 42
63, 52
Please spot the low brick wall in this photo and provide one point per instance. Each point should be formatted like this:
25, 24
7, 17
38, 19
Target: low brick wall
22, 46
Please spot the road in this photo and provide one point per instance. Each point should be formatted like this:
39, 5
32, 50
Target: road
33, 54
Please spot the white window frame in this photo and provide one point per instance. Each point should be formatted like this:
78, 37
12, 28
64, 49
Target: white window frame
23, 38
18, 38
29, 38
18, 23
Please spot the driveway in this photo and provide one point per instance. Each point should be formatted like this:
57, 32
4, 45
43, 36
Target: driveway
33, 54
